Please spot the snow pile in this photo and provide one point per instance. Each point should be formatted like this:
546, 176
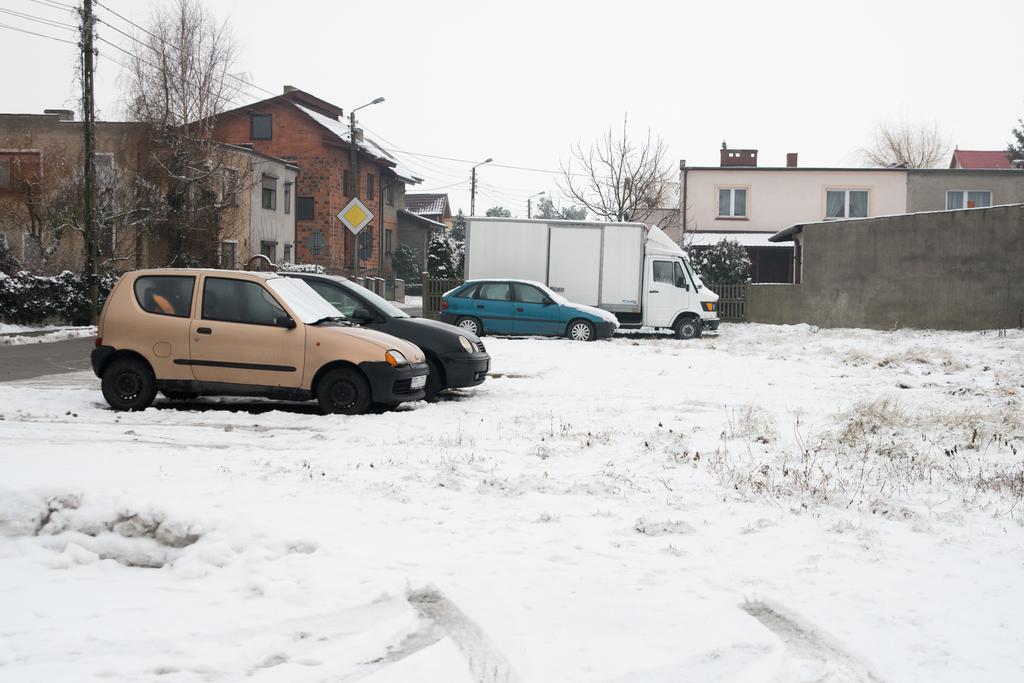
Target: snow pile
42, 335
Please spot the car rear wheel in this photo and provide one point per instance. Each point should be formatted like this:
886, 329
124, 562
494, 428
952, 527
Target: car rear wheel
435, 381
688, 328
581, 330
343, 391
470, 324
128, 384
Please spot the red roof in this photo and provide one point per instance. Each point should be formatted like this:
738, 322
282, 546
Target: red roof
964, 158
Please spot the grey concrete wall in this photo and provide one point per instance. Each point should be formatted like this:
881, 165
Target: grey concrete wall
948, 270
926, 188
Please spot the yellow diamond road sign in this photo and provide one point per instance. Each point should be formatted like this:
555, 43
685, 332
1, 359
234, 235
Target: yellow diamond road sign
355, 216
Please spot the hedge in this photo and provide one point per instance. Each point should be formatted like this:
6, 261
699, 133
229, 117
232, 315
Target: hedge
27, 299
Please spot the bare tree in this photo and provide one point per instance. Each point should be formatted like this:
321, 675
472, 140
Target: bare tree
618, 178
899, 144
179, 77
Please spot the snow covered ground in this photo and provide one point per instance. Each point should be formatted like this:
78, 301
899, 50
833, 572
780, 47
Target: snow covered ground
11, 335
771, 504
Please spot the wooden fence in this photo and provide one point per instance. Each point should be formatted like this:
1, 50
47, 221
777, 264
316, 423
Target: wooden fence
433, 288
732, 301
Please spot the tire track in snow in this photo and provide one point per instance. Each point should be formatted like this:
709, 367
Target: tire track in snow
442, 618
824, 662
486, 663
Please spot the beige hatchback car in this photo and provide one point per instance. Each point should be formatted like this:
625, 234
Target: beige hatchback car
190, 332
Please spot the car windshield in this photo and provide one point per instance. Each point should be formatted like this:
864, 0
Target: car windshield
379, 302
555, 296
304, 302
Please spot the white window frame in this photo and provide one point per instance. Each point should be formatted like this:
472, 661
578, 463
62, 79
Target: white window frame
846, 202
963, 196
732, 202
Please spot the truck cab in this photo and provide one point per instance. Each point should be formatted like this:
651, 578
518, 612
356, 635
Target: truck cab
673, 295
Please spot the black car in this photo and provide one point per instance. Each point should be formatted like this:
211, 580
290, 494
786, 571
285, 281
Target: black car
456, 357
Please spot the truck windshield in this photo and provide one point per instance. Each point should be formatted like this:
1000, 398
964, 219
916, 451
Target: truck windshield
693, 274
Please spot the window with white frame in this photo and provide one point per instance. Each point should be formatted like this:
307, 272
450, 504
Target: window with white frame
732, 202
968, 199
846, 204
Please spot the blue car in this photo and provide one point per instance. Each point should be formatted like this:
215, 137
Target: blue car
522, 307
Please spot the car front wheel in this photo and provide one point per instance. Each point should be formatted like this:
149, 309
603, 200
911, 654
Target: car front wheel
343, 391
581, 330
470, 324
128, 384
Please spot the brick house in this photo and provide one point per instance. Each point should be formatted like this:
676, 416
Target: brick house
312, 134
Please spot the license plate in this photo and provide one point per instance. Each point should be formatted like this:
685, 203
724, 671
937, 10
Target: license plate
419, 382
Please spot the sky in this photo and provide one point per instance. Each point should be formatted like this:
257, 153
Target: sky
523, 82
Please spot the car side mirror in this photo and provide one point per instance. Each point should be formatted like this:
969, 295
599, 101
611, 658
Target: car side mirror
362, 315
549, 302
285, 321
681, 282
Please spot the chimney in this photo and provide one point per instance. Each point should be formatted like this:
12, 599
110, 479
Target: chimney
289, 88
62, 114
738, 157
791, 160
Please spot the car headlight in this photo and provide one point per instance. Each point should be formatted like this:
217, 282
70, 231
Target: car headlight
395, 358
466, 344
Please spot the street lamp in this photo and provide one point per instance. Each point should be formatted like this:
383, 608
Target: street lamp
529, 204
472, 191
353, 163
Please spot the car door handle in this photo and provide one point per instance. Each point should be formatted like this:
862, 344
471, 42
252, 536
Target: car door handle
480, 306
653, 291
519, 309
204, 330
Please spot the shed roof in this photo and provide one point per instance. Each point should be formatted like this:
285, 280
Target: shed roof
426, 202
746, 239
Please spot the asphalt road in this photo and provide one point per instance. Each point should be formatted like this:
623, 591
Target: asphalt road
26, 361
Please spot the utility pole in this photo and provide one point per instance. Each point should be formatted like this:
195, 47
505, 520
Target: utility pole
472, 193
353, 163
89, 130
472, 188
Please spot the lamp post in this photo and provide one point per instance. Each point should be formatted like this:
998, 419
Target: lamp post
472, 190
353, 163
529, 204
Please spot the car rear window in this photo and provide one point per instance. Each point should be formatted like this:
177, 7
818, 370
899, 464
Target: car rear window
166, 294
466, 292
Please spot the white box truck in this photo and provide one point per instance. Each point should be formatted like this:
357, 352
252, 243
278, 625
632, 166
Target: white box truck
629, 269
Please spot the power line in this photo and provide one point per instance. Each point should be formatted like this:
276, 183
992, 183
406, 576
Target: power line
55, 5
40, 20
41, 35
